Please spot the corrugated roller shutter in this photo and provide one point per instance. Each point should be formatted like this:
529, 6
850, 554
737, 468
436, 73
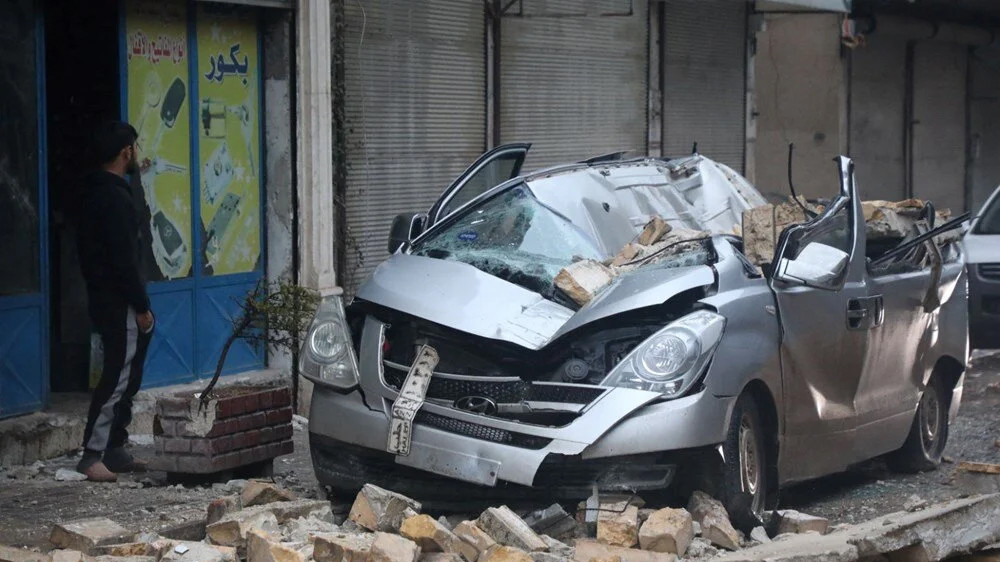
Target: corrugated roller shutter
704, 86
573, 78
415, 112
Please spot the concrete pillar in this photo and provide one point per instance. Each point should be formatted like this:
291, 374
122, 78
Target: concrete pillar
315, 148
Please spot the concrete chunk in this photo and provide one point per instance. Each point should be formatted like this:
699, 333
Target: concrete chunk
714, 520
470, 533
220, 507
558, 547
667, 530
505, 554
257, 492
232, 530
440, 557
587, 550
342, 547
377, 509
60, 555
14, 554
199, 552
618, 524
791, 521
760, 535
553, 521
583, 279
393, 548
86, 535
432, 536
304, 529
547, 557
505, 527
260, 548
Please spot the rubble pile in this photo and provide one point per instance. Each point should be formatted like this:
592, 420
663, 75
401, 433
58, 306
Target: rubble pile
264, 523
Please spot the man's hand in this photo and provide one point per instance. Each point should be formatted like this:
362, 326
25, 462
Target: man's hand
145, 321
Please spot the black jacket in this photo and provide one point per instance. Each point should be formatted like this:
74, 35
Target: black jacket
108, 242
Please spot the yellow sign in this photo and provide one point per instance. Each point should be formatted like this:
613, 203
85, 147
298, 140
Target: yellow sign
156, 53
229, 139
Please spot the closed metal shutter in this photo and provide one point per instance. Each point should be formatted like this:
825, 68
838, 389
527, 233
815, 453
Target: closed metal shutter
939, 132
415, 113
704, 83
573, 78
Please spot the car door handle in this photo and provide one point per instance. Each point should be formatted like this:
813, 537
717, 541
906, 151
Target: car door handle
864, 313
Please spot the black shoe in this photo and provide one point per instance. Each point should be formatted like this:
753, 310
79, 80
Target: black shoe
119, 461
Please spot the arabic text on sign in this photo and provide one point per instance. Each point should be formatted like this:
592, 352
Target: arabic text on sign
163, 47
221, 68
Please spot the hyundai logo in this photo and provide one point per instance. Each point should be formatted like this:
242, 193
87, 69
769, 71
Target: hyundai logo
476, 405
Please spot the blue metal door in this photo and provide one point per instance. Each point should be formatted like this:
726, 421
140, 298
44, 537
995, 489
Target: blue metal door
23, 212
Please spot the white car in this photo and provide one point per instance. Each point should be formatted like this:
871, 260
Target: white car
982, 254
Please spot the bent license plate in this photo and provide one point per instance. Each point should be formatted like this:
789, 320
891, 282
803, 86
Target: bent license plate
410, 399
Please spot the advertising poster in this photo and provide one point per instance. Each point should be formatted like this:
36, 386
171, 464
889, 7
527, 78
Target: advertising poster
156, 54
229, 139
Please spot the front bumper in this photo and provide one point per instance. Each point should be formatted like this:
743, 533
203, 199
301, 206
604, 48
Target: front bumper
984, 305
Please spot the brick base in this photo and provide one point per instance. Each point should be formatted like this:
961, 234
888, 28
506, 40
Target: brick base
244, 427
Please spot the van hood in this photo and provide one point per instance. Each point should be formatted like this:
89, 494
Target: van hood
461, 297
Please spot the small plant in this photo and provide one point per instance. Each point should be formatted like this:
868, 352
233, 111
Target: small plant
276, 314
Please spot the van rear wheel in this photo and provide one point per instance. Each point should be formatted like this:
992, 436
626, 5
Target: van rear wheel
928, 436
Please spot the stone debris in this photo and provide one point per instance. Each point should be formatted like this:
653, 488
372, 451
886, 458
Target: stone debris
553, 521
61, 555
791, 521
342, 547
220, 507
587, 550
667, 530
546, 557
558, 547
86, 535
714, 520
473, 535
393, 548
440, 557
67, 475
304, 529
199, 552
654, 230
760, 535
377, 509
505, 554
261, 548
618, 524
14, 554
701, 548
257, 492
506, 528
232, 530
914, 503
583, 279
432, 536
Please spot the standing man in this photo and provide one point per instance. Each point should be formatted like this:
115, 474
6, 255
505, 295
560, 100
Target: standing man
108, 245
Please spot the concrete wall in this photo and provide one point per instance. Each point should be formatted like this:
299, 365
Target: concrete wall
877, 116
800, 97
984, 136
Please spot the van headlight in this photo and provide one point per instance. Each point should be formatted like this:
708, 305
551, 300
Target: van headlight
671, 360
327, 355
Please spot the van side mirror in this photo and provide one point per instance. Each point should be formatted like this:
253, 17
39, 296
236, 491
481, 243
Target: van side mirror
816, 265
405, 227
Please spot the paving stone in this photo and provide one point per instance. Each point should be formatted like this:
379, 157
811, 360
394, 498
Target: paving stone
505, 527
473, 535
14, 554
342, 547
432, 536
587, 550
618, 524
232, 530
667, 530
86, 535
377, 509
261, 548
393, 548
791, 521
501, 553
714, 520
257, 492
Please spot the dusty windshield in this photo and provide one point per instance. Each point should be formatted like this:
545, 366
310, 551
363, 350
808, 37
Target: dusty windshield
514, 237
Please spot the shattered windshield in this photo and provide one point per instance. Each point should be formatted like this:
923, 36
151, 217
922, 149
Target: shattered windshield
514, 237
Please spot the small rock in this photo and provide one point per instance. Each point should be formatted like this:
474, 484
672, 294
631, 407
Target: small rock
393, 548
618, 524
470, 533
947, 459
714, 520
259, 493
60, 555
300, 422
760, 535
914, 503
667, 530
232, 487
587, 550
199, 552
26, 472
432, 536
701, 548
377, 509
505, 554
67, 475
86, 535
791, 521
505, 527
696, 527
342, 547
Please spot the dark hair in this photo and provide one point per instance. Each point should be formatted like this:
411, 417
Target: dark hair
110, 138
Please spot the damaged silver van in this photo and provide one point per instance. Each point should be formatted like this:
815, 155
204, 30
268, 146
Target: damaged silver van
461, 370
